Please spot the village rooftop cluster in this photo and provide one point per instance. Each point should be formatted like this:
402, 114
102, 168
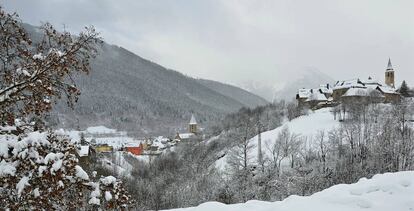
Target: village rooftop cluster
355, 90
100, 139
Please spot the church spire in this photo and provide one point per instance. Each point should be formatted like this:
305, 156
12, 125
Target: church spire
193, 120
389, 66
389, 74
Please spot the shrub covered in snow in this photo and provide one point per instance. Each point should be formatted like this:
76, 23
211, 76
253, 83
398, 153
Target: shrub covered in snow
39, 170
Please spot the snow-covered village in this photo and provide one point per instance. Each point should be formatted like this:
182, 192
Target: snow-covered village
233, 105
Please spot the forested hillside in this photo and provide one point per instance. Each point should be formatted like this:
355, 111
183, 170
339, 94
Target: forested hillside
126, 91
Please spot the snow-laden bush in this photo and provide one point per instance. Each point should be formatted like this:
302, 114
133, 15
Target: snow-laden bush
39, 170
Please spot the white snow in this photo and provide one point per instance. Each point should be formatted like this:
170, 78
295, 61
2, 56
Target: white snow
358, 92
95, 194
36, 192
53, 157
193, 120
94, 200
108, 196
41, 170
186, 135
7, 168
7, 128
57, 165
100, 130
24, 181
83, 151
307, 127
108, 180
316, 95
38, 56
80, 173
312, 94
60, 184
384, 192
354, 83
22, 71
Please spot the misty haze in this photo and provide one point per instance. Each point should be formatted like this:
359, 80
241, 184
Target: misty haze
183, 105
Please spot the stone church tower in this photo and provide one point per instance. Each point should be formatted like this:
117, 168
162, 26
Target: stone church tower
389, 75
192, 126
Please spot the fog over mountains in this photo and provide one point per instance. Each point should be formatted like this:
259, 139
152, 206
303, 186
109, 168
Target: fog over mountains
128, 92
311, 78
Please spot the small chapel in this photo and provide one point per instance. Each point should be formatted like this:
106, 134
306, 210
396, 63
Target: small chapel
192, 132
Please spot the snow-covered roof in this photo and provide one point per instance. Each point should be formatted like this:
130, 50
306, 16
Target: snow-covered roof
186, 135
313, 94
356, 92
354, 83
387, 90
303, 93
326, 88
100, 130
370, 81
193, 120
158, 144
161, 139
116, 142
133, 144
316, 95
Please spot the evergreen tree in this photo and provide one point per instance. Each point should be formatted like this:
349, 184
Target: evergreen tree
404, 90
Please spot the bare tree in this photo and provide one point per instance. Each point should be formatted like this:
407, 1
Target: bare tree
34, 74
286, 145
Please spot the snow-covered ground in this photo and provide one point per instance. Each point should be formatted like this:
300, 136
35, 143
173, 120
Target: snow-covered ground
100, 130
384, 192
307, 127
101, 135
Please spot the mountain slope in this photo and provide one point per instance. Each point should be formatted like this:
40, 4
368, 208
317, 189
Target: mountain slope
246, 98
389, 191
127, 92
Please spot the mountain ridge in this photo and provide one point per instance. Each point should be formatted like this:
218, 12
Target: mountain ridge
128, 92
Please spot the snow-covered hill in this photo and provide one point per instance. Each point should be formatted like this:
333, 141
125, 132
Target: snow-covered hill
307, 127
384, 192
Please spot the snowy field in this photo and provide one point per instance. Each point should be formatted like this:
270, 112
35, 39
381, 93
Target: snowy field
384, 192
307, 127
101, 135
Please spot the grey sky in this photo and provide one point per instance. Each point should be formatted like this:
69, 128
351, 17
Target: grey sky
235, 41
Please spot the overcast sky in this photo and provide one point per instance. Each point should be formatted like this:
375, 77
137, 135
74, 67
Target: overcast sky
234, 41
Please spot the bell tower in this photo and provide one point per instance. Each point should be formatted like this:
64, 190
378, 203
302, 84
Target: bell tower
389, 75
192, 126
